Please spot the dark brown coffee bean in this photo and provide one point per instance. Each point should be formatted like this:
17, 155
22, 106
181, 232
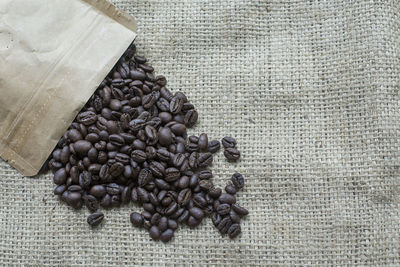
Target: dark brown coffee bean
155, 218
74, 135
116, 169
74, 199
178, 160
184, 197
82, 147
60, 176
136, 219
125, 194
161, 80
206, 185
197, 213
199, 201
143, 195
95, 219
161, 184
240, 210
91, 203
230, 189
165, 136
191, 118
165, 117
194, 160
216, 219
192, 147
165, 93
85, 179
183, 217
227, 198
157, 169
59, 190
113, 189
148, 207
203, 141
172, 174
163, 223
94, 168
205, 175
223, 209
224, 225
98, 191
213, 146
183, 182
137, 124
145, 177
134, 195
228, 142
178, 129
87, 118
115, 200
154, 232
64, 155
122, 158
172, 208
205, 159
92, 138
234, 230
232, 154
238, 180
194, 180
167, 235
117, 140
235, 218
193, 222
176, 105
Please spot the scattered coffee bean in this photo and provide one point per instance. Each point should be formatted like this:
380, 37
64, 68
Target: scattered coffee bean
129, 143
95, 219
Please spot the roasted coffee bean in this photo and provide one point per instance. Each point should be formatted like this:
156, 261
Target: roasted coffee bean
122, 158
165, 136
199, 201
115, 200
87, 118
148, 207
223, 209
125, 194
192, 147
213, 146
139, 145
205, 174
74, 135
228, 142
197, 213
227, 198
193, 222
116, 169
191, 118
98, 191
171, 208
59, 190
74, 199
194, 180
240, 210
178, 160
60, 176
234, 230
136, 124
235, 218
157, 169
172, 174
166, 235
134, 195
205, 185
145, 177
183, 182
194, 160
95, 219
216, 219
238, 180
224, 225
85, 179
230, 189
143, 195
82, 147
117, 140
203, 141
64, 155
205, 159
178, 129
136, 219
163, 223
184, 197
91, 203
232, 154
154, 232
113, 189
93, 168
161, 184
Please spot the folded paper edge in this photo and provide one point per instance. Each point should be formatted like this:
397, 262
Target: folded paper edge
115, 13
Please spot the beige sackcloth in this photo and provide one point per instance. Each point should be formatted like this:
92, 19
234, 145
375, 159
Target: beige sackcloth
310, 89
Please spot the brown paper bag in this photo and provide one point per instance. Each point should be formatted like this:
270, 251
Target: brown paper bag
53, 55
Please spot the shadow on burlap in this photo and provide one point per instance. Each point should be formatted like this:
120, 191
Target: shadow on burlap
310, 89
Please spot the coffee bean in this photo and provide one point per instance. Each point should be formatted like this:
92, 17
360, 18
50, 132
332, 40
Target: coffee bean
154, 232
191, 118
116, 169
238, 180
230, 189
199, 201
85, 179
205, 159
235, 218
82, 147
95, 219
172, 174
216, 219
205, 174
87, 118
143, 195
227, 198
183, 182
240, 210
165, 136
113, 189
178, 129
224, 225
74, 135
193, 222
184, 216
213, 146
203, 141
197, 213
171, 208
60, 176
184, 197
192, 147
167, 235
125, 194
228, 142
98, 191
74, 199
59, 190
91, 203
194, 160
234, 230
163, 223
117, 140
232, 154
215, 192
205, 185
136, 219
223, 209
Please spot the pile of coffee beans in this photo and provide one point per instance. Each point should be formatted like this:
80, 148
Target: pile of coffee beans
129, 143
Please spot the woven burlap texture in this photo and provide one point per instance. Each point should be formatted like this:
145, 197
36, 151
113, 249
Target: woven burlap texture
310, 89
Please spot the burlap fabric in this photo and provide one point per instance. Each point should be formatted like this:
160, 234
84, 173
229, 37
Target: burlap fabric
311, 91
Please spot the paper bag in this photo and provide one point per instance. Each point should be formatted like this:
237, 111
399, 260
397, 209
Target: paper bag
53, 55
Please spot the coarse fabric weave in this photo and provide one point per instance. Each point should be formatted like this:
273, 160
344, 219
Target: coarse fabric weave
310, 89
